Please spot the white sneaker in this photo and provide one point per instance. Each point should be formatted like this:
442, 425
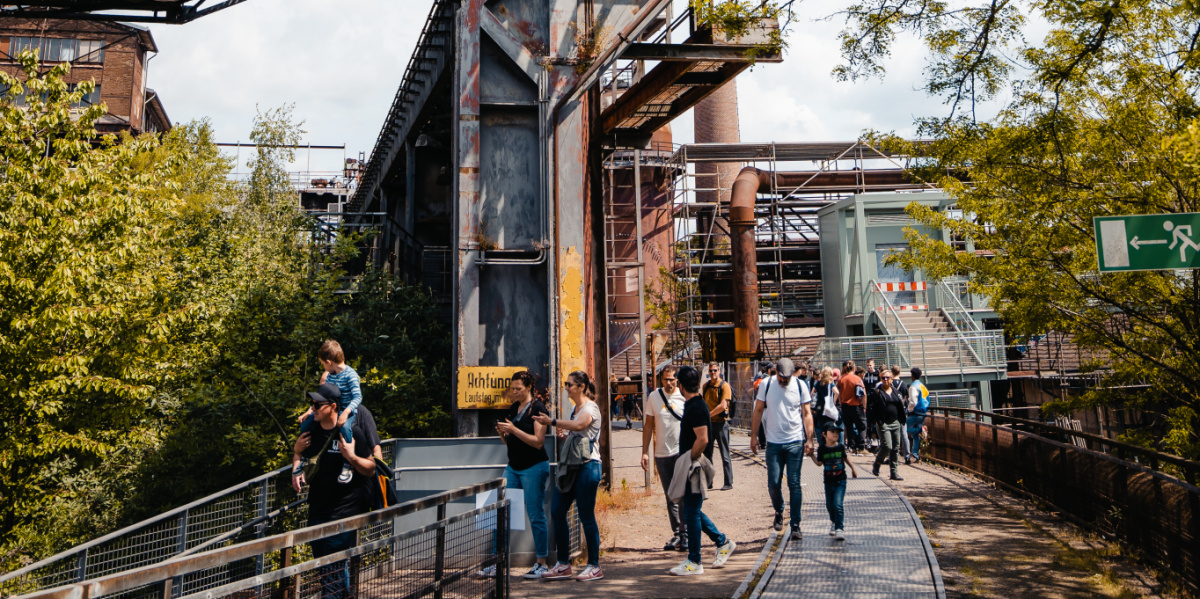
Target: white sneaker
832, 528
535, 572
488, 572
687, 568
840, 535
346, 474
723, 553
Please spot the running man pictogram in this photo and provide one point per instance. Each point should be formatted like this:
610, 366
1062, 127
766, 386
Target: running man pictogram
1178, 236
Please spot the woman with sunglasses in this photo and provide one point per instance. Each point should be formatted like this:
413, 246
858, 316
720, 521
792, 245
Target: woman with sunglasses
528, 467
584, 422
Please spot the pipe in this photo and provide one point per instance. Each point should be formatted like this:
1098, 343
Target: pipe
743, 251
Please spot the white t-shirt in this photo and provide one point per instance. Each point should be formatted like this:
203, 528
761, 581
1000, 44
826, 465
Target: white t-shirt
593, 430
783, 421
666, 426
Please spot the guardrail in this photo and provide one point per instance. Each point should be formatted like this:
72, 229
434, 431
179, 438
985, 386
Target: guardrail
877, 303
427, 561
923, 350
1146, 499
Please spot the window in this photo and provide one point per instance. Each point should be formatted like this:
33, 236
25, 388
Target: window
91, 51
56, 49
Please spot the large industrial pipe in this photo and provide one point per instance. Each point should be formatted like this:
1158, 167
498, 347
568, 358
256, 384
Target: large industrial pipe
746, 187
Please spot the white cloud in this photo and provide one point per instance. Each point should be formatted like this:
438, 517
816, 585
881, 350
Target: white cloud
341, 62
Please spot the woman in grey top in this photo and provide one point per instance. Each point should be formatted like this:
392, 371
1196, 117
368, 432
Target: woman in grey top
585, 422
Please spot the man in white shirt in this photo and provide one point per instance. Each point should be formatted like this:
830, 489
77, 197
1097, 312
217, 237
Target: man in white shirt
789, 426
661, 413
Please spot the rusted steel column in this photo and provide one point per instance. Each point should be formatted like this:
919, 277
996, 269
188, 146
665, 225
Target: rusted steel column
744, 260
466, 142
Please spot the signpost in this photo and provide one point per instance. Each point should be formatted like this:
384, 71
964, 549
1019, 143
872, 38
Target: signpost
1148, 242
483, 387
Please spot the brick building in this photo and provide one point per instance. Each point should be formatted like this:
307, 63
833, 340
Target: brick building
112, 54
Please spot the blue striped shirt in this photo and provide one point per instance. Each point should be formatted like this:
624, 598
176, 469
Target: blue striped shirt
347, 383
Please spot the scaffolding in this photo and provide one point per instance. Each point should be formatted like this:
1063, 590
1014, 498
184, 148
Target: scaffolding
637, 234
787, 240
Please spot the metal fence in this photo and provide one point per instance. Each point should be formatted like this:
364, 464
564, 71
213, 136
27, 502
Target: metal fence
252, 509
436, 560
1146, 499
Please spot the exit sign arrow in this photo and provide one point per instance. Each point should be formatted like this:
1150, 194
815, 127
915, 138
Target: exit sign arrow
1137, 245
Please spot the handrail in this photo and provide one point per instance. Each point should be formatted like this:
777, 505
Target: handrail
1190, 469
944, 293
182, 565
954, 323
77, 551
838, 349
873, 291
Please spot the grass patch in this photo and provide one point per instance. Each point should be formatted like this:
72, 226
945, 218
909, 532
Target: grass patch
613, 503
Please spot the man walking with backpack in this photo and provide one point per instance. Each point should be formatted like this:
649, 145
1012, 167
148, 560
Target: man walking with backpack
718, 395
662, 413
789, 426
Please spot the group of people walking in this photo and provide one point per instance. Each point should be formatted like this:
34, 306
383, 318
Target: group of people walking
821, 415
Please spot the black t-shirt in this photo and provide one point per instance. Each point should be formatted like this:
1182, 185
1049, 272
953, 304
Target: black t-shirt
328, 497
833, 461
520, 454
368, 424
891, 406
695, 415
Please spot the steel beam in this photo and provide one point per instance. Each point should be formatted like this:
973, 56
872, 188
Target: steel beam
697, 53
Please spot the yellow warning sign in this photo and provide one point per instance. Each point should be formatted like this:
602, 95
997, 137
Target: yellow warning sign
484, 387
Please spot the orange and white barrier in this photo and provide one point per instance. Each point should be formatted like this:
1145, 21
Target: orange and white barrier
907, 307
910, 286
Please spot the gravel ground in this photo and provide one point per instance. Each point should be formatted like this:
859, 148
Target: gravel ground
992, 544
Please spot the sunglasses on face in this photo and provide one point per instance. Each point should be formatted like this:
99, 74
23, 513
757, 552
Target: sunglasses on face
568, 384
668, 380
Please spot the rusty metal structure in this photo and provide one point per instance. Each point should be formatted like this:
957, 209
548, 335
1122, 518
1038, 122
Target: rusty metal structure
748, 269
493, 154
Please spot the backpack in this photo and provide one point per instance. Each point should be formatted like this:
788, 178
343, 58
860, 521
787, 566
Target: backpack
923, 398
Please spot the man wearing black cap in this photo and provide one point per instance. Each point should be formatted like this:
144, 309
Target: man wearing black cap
339, 487
918, 406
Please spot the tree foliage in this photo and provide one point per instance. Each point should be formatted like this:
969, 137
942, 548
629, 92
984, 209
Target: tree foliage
160, 321
1102, 120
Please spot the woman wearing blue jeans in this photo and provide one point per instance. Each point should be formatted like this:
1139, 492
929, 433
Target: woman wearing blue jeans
528, 467
584, 422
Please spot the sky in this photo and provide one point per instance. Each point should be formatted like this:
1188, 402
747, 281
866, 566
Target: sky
339, 62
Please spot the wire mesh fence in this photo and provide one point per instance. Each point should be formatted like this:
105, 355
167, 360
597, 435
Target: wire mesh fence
252, 509
436, 560
1147, 500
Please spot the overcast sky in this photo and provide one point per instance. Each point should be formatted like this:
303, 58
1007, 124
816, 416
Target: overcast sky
340, 62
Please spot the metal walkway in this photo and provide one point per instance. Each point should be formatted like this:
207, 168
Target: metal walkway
885, 554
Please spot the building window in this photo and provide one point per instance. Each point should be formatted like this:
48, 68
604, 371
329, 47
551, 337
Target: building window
91, 51
56, 49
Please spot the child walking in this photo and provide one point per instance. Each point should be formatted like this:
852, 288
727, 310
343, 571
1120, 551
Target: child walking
832, 455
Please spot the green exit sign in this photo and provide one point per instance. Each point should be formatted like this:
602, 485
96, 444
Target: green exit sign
1148, 242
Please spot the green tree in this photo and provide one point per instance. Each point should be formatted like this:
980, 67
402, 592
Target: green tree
1102, 120
160, 320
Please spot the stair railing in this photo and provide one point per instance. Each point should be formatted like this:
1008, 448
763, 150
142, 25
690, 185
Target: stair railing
875, 302
964, 325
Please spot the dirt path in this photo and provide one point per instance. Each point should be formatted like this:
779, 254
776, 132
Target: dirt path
632, 558
991, 544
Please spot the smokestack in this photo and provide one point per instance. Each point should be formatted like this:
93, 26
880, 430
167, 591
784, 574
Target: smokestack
716, 121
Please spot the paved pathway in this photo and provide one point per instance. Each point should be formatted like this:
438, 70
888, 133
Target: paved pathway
885, 553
